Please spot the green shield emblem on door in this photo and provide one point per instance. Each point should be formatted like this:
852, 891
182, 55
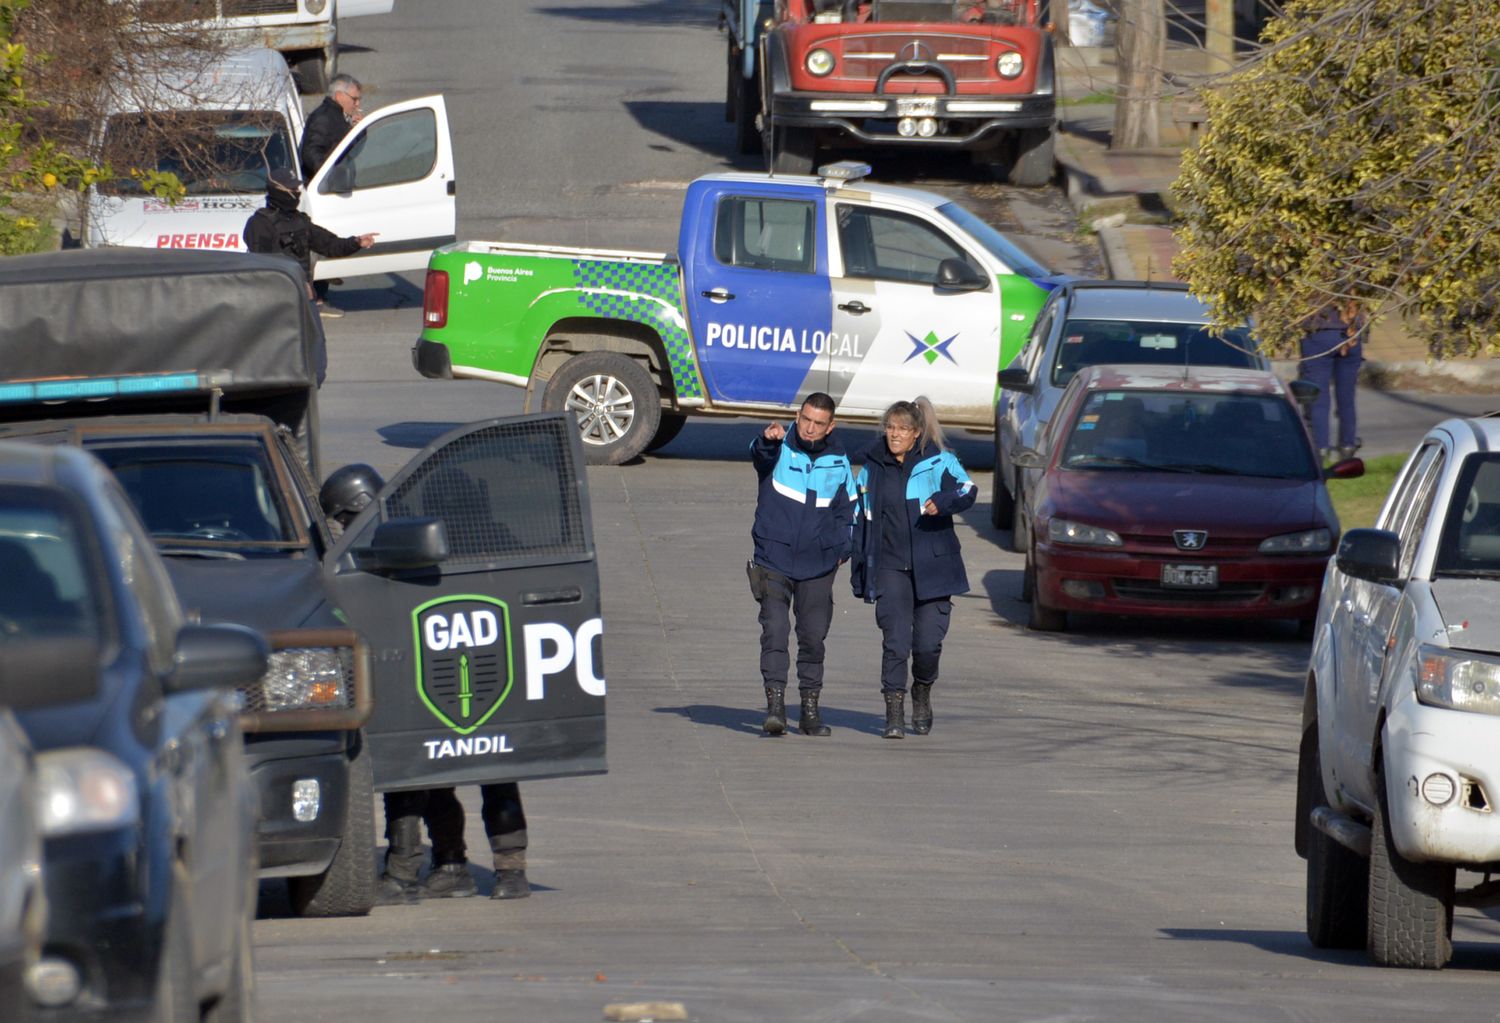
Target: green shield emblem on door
464, 658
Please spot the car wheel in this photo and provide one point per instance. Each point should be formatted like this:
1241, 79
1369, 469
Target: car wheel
746, 106
1017, 534
616, 404
795, 150
1337, 878
667, 430
1306, 629
1410, 904
1034, 164
1002, 506
347, 887
176, 998
1043, 618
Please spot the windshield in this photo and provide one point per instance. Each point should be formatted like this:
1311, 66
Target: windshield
1471, 531
1173, 431
221, 492
212, 151
999, 246
1099, 342
52, 585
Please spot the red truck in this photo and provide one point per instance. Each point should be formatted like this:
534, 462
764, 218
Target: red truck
974, 75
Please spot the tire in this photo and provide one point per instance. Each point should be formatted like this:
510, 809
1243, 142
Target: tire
1043, 618
617, 405
1002, 504
176, 999
1016, 539
1411, 904
237, 1003
794, 151
1337, 878
731, 86
1034, 164
747, 138
1307, 628
312, 73
667, 430
347, 887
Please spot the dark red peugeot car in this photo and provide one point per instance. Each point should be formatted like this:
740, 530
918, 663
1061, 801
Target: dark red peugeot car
1177, 491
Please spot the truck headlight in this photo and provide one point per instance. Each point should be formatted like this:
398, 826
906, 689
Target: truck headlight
1009, 64
1309, 541
315, 6
80, 790
1064, 531
1458, 681
820, 63
304, 678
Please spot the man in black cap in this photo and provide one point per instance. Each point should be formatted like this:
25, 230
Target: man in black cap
281, 229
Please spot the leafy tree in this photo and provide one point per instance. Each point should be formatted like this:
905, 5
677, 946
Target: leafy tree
1353, 161
65, 62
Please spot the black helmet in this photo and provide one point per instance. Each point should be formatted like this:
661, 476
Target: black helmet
348, 491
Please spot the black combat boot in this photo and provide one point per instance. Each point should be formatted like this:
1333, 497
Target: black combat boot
895, 715
775, 711
449, 881
403, 858
510, 869
921, 707
810, 723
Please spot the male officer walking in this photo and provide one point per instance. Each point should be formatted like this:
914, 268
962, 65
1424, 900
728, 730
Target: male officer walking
802, 534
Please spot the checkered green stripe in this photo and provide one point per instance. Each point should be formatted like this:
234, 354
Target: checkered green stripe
619, 291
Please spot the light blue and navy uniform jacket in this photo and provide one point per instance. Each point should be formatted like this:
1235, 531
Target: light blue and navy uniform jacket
937, 564
804, 508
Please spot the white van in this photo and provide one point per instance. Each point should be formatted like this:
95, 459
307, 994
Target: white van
392, 174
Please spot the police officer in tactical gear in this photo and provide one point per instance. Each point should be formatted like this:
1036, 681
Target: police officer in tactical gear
345, 494
802, 534
279, 228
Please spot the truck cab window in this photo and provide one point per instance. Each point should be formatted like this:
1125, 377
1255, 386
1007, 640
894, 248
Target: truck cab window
765, 234
884, 245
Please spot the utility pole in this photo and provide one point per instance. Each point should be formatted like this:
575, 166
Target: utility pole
1219, 34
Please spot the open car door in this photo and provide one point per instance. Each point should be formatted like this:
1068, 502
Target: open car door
391, 175
486, 656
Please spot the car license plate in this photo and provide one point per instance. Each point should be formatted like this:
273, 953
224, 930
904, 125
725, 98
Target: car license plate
1190, 577
916, 106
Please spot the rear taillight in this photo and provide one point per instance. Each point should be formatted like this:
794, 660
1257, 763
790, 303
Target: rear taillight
435, 300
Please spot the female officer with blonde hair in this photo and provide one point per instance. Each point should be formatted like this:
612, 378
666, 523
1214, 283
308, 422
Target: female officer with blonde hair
906, 556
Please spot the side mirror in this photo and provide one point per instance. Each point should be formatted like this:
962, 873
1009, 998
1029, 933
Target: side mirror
216, 657
405, 544
340, 179
1025, 458
1370, 554
956, 275
1345, 469
1304, 391
38, 673
1015, 378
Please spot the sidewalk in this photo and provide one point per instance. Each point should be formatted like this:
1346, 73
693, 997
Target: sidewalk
1123, 194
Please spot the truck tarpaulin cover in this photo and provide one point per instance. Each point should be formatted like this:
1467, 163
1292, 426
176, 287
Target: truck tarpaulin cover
241, 321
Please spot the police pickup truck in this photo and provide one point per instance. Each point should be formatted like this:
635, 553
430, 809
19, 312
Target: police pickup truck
450, 634
782, 286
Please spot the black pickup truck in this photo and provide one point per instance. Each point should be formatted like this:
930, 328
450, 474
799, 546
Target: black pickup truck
450, 634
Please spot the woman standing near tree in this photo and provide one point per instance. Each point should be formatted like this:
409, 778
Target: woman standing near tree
906, 555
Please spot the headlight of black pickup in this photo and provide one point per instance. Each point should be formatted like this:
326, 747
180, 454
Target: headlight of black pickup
315, 679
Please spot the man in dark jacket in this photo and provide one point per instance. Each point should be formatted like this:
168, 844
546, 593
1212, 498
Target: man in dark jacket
328, 124
802, 519
281, 229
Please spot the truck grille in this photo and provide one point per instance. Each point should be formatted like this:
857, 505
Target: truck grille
248, 8
865, 56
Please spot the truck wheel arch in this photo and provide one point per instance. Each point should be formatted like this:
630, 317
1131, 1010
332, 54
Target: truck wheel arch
571, 337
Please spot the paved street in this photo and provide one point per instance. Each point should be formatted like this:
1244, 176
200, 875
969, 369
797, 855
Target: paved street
1099, 826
